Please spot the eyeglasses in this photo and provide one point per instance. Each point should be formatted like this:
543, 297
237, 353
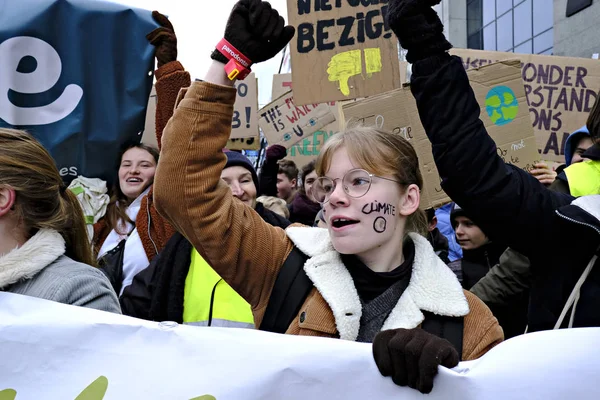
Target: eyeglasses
356, 183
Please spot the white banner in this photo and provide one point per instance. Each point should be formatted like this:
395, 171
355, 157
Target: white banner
54, 351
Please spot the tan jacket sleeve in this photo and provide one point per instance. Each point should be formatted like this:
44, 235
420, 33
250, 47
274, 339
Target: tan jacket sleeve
241, 247
170, 78
481, 329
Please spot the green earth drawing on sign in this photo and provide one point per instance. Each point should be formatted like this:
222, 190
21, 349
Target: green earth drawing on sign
501, 105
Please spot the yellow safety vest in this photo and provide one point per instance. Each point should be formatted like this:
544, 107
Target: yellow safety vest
209, 301
584, 178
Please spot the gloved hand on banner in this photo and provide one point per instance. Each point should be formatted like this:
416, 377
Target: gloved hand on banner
418, 28
276, 152
412, 356
256, 30
163, 39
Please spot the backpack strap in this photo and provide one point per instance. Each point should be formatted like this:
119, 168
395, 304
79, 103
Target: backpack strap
291, 288
449, 328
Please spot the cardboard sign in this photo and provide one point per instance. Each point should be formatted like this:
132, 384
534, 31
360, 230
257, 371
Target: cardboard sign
500, 93
342, 50
149, 136
245, 114
246, 98
285, 123
560, 91
309, 148
249, 143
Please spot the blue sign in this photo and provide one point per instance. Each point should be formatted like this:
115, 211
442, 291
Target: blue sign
77, 75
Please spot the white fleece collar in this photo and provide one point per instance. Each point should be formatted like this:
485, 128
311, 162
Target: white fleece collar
38, 252
433, 286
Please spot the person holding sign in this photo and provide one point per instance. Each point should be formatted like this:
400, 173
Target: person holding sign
559, 235
368, 272
44, 250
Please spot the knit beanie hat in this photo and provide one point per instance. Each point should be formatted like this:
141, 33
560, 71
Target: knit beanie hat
235, 159
456, 212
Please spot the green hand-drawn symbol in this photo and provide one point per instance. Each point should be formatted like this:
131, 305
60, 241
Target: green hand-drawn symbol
501, 105
8, 394
95, 391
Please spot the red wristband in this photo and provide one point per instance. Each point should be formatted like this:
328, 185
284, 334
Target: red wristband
238, 65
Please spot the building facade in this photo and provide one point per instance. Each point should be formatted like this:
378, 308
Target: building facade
559, 27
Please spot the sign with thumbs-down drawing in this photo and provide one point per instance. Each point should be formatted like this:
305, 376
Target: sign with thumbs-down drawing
343, 49
285, 123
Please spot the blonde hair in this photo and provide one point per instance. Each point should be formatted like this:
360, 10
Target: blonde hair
275, 204
381, 153
42, 199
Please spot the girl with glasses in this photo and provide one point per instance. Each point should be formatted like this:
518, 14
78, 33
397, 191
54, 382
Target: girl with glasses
373, 277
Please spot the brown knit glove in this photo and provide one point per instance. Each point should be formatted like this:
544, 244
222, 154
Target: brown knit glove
163, 39
412, 356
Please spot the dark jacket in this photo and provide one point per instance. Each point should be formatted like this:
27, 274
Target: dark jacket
157, 292
267, 178
303, 210
505, 290
439, 244
475, 264
558, 235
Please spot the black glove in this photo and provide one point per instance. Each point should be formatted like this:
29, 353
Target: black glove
412, 356
256, 30
163, 39
276, 152
418, 28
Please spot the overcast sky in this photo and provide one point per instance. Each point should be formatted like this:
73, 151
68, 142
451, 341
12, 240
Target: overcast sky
199, 25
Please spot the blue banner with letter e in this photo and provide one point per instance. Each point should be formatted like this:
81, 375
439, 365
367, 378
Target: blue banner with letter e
77, 75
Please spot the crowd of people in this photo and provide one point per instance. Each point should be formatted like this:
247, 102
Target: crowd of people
337, 248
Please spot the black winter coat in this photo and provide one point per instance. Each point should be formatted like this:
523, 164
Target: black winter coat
510, 205
475, 264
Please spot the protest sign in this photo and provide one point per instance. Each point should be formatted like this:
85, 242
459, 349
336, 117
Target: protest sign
149, 136
249, 143
343, 49
56, 351
244, 130
245, 109
285, 123
81, 110
308, 148
560, 91
500, 93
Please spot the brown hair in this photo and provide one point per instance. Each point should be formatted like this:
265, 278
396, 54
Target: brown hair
42, 199
288, 168
306, 170
380, 153
593, 121
117, 208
